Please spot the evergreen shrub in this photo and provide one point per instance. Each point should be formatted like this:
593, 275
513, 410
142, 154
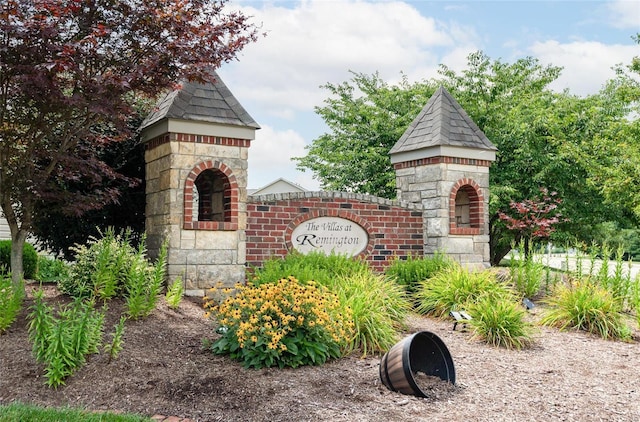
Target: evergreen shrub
29, 259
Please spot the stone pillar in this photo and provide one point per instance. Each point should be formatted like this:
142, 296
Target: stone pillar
442, 162
197, 142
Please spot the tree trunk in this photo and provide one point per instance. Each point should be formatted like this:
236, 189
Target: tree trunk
19, 235
17, 246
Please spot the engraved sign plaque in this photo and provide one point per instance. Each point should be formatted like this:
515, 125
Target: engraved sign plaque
330, 234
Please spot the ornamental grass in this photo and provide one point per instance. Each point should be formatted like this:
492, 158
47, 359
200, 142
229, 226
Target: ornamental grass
587, 306
501, 322
454, 288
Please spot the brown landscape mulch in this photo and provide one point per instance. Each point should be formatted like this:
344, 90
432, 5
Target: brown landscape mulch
163, 369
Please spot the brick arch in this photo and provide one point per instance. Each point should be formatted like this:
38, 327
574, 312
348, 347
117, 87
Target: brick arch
347, 215
476, 207
230, 195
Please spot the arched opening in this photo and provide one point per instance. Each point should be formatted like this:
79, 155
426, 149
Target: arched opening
463, 209
209, 196
466, 208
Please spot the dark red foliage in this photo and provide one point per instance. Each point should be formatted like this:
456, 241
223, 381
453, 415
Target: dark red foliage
536, 217
70, 71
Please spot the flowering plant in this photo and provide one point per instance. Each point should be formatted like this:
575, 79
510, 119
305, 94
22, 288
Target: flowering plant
285, 323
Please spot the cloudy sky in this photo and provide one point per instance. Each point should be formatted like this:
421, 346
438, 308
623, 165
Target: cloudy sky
313, 42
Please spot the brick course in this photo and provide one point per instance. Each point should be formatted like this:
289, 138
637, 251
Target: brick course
395, 228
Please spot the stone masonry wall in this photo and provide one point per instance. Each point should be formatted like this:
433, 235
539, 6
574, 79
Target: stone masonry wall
395, 228
200, 257
430, 186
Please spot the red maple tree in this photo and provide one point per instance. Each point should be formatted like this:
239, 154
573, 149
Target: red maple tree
533, 218
69, 73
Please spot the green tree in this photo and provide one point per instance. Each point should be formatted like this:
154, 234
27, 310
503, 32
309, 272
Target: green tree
69, 71
613, 152
538, 132
366, 117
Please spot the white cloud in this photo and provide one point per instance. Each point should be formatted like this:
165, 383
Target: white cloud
625, 14
318, 41
270, 158
587, 65
312, 42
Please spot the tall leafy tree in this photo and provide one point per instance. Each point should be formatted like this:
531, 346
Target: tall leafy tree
366, 117
613, 152
69, 71
539, 134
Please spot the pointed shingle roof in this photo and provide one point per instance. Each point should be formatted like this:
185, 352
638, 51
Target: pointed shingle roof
442, 122
209, 102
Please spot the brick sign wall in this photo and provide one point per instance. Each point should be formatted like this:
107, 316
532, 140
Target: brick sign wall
373, 228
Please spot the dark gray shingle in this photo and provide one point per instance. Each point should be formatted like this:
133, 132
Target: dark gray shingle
442, 121
211, 102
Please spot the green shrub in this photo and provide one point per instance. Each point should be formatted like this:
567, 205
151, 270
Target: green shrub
51, 269
29, 259
586, 306
285, 323
526, 273
174, 293
410, 272
61, 342
115, 346
313, 266
379, 307
11, 298
110, 267
377, 303
617, 281
100, 268
143, 283
500, 321
456, 288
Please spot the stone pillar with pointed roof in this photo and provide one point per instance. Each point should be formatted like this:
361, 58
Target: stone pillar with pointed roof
197, 140
442, 162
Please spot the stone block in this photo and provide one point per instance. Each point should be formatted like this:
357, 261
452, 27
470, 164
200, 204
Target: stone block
183, 162
437, 227
152, 185
428, 173
157, 152
229, 275
435, 203
422, 186
216, 240
186, 148
462, 245
194, 292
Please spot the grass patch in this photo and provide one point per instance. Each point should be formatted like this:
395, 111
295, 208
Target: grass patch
314, 266
26, 412
379, 307
410, 272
